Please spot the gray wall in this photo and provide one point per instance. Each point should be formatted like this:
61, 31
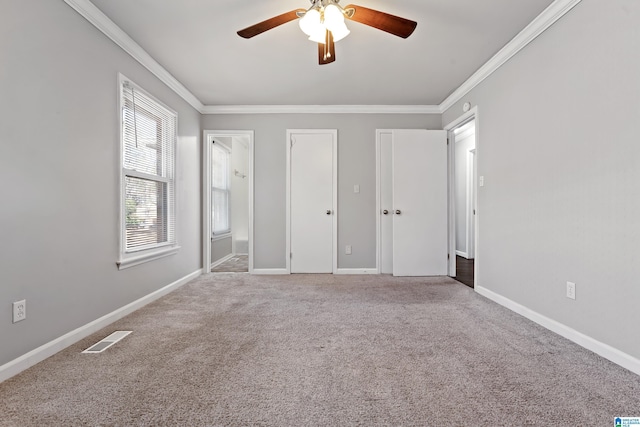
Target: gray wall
221, 248
558, 147
59, 150
356, 165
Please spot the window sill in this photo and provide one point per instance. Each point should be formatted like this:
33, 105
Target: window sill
130, 261
221, 237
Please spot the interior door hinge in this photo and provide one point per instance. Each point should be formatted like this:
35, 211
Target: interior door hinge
290, 254
448, 256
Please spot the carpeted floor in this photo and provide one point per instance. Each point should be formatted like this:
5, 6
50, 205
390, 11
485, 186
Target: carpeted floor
323, 350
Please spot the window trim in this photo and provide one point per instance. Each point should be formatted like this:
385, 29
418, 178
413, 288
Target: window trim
142, 255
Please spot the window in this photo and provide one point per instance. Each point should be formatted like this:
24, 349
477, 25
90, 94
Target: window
148, 165
220, 189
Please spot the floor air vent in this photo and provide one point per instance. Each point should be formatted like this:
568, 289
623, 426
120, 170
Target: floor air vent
107, 342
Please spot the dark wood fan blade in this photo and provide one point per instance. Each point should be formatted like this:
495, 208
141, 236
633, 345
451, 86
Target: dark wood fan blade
327, 51
383, 21
263, 26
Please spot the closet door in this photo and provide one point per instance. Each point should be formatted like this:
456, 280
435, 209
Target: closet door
419, 169
312, 200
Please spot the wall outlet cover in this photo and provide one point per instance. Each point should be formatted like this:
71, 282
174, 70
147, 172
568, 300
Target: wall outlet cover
19, 310
571, 290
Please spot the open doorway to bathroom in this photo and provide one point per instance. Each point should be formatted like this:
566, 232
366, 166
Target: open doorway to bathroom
228, 201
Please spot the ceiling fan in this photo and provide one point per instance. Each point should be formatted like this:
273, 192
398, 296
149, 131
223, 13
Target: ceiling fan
324, 23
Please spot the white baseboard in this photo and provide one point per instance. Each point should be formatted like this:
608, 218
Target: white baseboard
269, 271
37, 355
357, 271
616, 356
221, 260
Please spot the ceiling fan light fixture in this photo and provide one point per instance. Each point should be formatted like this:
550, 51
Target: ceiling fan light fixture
319, 35
333, 17
310, 23
340, 32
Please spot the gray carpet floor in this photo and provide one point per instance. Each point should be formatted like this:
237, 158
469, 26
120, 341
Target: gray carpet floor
323, 350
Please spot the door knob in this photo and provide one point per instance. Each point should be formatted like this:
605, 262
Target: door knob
386, 212
398, 212
328, 212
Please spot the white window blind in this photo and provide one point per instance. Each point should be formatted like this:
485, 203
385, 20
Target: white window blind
220, 189
148, 156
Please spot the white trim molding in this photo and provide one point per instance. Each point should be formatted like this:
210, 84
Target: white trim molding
347, 271
616, 356
99, 20
37, 355
269, 271
321, 109
131, 261
548, 17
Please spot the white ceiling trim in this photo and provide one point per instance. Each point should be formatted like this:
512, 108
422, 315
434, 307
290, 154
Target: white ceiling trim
548, 17
95, 16
321, 109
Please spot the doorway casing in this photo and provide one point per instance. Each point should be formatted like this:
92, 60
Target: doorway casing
208, 135
470, 115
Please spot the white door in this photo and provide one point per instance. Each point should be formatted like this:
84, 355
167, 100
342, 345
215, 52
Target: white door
419, 202
386, 203
312, 207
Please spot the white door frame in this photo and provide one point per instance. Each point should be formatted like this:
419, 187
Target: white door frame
472, 114
206, 192
334, 208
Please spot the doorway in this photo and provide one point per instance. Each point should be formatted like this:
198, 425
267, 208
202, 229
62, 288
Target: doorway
311, 200
463, 198
228, 201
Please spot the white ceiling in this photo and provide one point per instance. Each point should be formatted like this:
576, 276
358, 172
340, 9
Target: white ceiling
196, 41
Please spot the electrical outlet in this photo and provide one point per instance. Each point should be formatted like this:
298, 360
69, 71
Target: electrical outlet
19, 310
347, 250
571, 290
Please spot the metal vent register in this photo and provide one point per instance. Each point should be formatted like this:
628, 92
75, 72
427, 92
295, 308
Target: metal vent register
107, 342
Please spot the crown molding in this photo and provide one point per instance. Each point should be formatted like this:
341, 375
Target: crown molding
321, 109
95, 16
548, 17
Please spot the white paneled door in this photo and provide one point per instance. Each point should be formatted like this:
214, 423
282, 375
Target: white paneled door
419, 192
312, 200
